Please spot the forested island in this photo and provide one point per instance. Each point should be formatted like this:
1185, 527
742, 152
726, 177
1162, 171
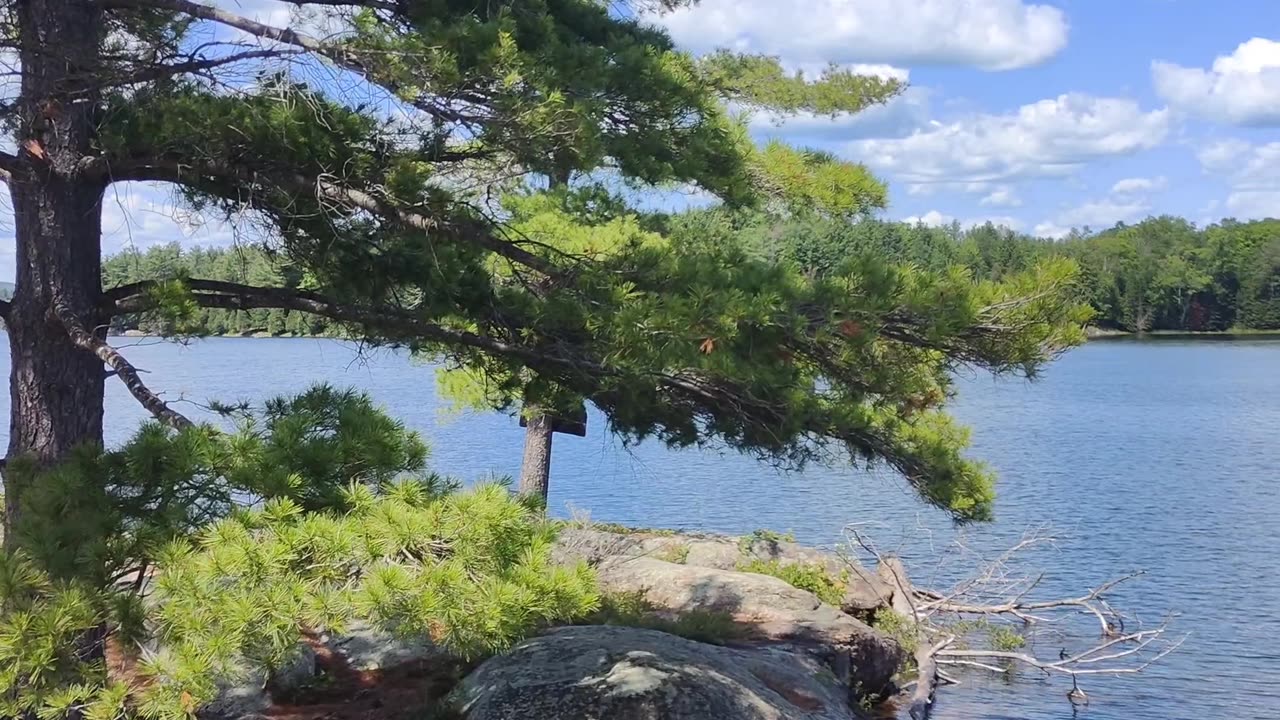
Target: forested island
1161, 274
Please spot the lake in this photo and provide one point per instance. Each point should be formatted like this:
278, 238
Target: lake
1160, 455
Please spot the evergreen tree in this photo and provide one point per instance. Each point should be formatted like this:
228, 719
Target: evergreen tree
380, 222
373, 211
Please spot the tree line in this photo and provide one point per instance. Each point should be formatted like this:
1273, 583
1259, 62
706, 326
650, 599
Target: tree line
248, 264
1163, 273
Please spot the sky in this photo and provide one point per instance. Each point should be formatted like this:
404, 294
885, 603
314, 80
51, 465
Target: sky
1042, 116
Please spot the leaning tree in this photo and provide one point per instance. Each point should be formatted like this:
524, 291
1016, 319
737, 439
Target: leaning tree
370, 138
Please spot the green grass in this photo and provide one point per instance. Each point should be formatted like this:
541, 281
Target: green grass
677, 553
746, 542
806, 576
631, 609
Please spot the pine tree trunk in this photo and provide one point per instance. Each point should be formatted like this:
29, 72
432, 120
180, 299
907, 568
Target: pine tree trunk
55, 388
535, 471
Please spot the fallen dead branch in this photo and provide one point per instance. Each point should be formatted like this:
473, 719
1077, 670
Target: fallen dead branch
998, 602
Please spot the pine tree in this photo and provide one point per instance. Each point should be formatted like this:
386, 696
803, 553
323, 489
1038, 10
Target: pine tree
380, 213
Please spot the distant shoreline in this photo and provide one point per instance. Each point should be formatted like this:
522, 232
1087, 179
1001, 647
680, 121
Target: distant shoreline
1090, 333
1108, 334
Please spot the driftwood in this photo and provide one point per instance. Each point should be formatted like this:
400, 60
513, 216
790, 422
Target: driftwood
998, 593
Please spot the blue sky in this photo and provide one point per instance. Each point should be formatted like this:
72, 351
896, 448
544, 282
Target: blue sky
1041, 115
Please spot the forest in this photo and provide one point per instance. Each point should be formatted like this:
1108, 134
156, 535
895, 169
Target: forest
1161, 274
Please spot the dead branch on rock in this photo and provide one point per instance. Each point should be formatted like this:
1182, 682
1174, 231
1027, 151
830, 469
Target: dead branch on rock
940, 622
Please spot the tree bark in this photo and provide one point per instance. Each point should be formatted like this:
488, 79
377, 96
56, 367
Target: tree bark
55, 387
535, 471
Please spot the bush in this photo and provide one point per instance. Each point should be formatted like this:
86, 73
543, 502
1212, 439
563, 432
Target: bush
471, 571
631, 609
248, 541
806, 576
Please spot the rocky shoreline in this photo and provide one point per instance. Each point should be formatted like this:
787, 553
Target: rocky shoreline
701, 637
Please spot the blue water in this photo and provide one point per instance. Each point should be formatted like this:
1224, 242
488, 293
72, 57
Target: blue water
1160, 455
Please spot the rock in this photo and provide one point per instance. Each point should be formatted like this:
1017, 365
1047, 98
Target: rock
242, 701
616, 673
363, 649
769, 610
864, 591
298, 672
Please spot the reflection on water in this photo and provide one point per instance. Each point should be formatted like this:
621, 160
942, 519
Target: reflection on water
1156, 455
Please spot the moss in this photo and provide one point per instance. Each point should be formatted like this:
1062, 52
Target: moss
1005, 638
902, 630
632, 609
677, 553
747, 542
806, 576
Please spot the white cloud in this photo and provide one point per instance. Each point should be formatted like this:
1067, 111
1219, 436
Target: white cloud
1096, 214
1133, 186
1253, 204
1251, 171
990, 34
1223, 156
899, 117
1003, 196
1049, 229
1245, 166
1242, 88
142, 215
1052, 137
935, 218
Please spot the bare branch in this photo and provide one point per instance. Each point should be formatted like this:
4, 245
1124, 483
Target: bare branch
124, 370
336, 54
1136, 643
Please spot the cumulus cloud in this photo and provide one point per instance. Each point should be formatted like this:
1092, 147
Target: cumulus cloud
142, 215
990, 34
1134, 186
1095, 214
1251, 171
1003, 196
899, 117
1242, 88
935, 218
1053, 137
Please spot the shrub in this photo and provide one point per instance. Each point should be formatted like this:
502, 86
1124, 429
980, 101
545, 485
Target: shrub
806, 576
631, 609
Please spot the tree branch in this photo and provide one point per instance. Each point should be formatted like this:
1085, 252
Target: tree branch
336, 54
124, 370
172, 170
192, 66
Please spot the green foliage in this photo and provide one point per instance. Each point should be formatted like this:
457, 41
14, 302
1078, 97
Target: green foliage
631, 609
677, 553
471, 571
1260, 289
900, 628
115, 508
45, 629
764, 535
806, 576
310, 447
1005, 638
176, 313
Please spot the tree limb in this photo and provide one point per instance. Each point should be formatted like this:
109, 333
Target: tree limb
339, 56
124, 370
172, 170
